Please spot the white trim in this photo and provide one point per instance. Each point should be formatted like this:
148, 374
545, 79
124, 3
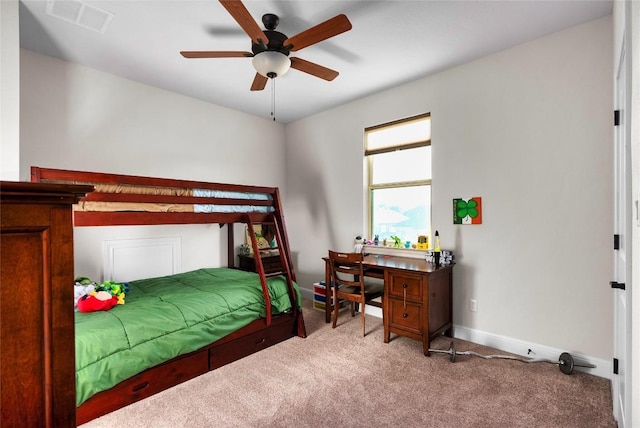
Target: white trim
399, 252
306, 293
521, 347
131, 259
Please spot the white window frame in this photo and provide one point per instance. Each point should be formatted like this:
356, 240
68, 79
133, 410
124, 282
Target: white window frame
368, 153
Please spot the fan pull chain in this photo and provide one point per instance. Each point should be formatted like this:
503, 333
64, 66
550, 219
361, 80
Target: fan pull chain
273, 99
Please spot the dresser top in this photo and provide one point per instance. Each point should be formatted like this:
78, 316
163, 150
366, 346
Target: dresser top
16, 192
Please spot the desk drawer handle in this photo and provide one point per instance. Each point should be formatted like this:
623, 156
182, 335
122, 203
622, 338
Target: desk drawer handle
405, 285
405, 315
404, 296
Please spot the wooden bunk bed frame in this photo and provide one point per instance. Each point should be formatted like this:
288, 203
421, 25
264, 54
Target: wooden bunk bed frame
252, 338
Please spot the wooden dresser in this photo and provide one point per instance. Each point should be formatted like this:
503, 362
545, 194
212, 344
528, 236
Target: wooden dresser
37, 344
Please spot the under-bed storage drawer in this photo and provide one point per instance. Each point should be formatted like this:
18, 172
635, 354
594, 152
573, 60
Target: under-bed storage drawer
238, 348
232, 350
166, 375
147, 383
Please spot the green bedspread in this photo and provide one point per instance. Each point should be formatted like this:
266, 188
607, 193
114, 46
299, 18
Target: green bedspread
166, 317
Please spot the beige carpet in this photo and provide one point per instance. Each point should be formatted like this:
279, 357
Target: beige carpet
337, 378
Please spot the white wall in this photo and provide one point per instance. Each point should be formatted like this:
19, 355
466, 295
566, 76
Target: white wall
9, 91
74, 117
529, 130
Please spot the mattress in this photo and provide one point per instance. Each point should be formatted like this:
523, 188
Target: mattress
166, 317
126, 189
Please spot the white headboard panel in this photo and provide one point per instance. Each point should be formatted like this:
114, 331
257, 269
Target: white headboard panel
131, 259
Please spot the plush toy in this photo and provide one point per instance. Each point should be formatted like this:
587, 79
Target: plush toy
97, 301
82, 287
91, 297
117, 290
358, 244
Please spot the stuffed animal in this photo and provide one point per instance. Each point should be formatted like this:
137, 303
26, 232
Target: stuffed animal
97, 301
358, 244
91, 297
82, 287
115, 289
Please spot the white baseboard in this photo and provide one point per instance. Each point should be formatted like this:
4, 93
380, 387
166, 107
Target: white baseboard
515, 346
306, 293
520, 347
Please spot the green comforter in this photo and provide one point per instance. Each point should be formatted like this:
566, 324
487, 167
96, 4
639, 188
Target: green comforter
166, 317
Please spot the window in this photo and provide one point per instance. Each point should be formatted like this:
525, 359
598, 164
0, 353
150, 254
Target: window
399, 158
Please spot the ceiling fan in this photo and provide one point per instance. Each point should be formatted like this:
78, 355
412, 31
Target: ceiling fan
270, 48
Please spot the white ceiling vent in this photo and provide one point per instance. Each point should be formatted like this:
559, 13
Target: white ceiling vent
80, 13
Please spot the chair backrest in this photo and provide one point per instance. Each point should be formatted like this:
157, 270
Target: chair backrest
346, 269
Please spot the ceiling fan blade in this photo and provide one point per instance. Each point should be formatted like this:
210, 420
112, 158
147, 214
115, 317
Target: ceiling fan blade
242, 16
329, 28
215, 54
313, 69
259, 82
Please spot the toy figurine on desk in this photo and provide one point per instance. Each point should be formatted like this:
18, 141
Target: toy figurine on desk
358, 244
436, 250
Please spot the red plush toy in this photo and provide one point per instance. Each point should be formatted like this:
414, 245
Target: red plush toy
97, 301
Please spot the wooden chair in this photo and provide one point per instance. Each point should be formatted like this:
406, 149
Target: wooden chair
346, 274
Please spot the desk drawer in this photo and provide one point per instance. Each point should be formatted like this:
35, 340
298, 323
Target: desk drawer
407, 316
399, 283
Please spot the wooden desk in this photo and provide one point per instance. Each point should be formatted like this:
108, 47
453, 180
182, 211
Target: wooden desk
417, 297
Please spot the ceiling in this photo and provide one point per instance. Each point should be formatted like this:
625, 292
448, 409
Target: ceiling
391, 43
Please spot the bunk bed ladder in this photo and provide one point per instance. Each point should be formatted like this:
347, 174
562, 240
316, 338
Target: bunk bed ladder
260, 270
278, 219
285, 263
286, 259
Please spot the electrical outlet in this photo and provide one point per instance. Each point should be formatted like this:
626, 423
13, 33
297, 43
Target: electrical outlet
473, 305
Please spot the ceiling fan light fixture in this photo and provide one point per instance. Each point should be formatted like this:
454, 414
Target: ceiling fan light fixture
271, 63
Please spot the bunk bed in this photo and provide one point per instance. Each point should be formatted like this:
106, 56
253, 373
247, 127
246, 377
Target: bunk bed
211, 342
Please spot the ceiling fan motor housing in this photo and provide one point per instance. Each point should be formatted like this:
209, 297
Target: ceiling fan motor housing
276, 42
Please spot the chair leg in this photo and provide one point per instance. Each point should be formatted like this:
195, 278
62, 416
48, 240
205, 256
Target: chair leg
353, 311
362, 315
336, 308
